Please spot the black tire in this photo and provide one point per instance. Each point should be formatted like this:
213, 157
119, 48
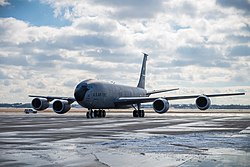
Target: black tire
88, 114
100, 113
92, 114
103, 113
96, 113
135, 113
141, 113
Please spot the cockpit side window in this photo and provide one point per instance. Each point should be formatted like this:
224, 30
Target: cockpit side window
81, 91
90, 86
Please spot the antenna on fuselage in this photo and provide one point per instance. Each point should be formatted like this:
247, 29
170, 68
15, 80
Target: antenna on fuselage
141, 83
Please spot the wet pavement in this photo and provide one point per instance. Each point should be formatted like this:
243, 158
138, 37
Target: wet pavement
171, 139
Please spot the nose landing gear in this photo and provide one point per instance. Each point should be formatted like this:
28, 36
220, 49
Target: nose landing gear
96, 113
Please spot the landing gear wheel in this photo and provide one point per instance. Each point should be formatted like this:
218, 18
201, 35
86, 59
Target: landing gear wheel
138, 113
135, 113
141, 113
88, 114
92, 114
96, 114
103, 113
100, 113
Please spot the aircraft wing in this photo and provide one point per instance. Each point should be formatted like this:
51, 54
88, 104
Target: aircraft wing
136, 100
51, 98
160, 91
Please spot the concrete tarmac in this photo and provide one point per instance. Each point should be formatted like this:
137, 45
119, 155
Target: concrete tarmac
171, 139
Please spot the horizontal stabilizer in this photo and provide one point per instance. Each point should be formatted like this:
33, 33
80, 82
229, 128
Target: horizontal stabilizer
160, 91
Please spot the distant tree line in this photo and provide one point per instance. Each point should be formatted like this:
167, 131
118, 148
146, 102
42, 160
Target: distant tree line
26, 105
177, 106
193, 106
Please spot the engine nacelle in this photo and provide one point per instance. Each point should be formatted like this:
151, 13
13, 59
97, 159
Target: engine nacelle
39, 104
161, 105
203, 102
61, 106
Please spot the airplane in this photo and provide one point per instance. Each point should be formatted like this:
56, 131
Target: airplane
97, 96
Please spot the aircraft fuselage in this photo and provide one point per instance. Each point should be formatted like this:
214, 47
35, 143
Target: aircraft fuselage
102, 95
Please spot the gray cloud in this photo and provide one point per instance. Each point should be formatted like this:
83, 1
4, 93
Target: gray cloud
3, 75
246, 28
37, 84
197, 52
81, 66
46, 58
134, 9
238, 4
83, 41
241, 50
195, 62
96, 40
32, 60
4, 3
200, 56
98, 68
115, 56
6, 82
97, 27
70, 83
239, 38
14, 60
188, 9
148, 43
16, 90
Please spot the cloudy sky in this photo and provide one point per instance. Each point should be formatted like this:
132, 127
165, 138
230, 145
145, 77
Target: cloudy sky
47, 46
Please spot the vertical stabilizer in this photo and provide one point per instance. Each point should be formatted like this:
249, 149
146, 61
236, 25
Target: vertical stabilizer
141, 83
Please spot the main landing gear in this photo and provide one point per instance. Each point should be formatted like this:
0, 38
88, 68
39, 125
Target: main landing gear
138, 112
96, 113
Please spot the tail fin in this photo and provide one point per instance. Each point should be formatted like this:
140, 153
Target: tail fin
141, 83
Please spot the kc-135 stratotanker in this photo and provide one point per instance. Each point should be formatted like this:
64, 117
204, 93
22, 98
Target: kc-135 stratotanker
98, 96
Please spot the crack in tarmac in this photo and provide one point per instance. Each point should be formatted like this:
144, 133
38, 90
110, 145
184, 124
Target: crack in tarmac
98, 160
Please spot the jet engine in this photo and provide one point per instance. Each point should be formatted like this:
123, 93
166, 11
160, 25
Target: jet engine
161, 105
40, 104
203, 102
61, 106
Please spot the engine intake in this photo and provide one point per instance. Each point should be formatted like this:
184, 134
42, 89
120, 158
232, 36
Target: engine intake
40, 104
161, 105
203, 102
61, 106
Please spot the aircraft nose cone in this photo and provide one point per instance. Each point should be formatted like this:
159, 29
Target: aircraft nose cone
79, 94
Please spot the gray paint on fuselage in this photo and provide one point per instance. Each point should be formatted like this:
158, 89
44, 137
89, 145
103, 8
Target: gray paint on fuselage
102, 95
